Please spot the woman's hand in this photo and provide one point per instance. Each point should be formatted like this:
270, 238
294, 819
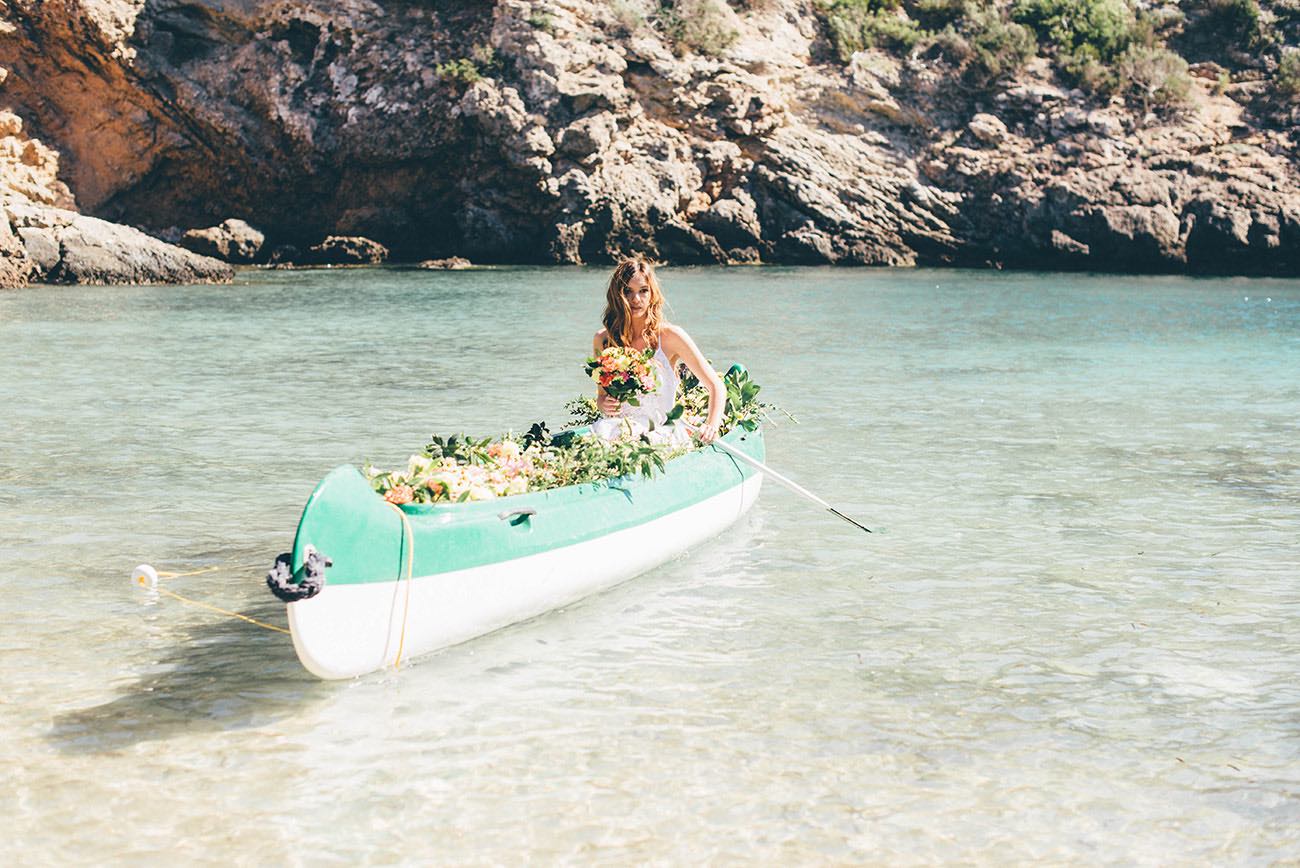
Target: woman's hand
607, 404
678, 344
707, 433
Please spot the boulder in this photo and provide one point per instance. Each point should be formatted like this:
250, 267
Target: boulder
344, 250
989, 129
586, 138
42, 249
452, 263
1105, 124
15, 267
98, 252
231, 241
66, 247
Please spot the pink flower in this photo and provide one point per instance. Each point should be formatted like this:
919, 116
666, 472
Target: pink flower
399, 494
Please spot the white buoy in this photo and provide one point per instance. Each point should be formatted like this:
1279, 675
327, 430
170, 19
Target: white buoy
145, 576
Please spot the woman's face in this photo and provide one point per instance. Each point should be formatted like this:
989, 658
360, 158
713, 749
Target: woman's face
637, 294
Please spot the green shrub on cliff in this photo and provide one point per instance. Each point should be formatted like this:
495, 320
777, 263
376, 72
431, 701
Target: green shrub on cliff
702, 26
1104, 47
1083, 31
857, 24
629, 16
467, 70
461, 70
543, 21
1286, 80
935, 15
1153, 76
985, 44
1236, 22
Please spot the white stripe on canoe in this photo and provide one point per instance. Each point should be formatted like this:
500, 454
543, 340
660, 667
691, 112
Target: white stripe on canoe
348, 630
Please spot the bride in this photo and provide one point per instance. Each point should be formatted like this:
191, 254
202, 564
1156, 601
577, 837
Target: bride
634, 318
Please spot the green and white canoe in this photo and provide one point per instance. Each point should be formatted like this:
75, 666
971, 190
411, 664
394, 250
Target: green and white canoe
401, 585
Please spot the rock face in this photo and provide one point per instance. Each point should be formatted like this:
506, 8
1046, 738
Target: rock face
42, 237
573, 131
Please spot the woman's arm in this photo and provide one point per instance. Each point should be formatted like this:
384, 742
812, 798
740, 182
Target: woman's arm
607, 405
677, 343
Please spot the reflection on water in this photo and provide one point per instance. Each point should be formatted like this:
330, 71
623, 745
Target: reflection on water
219, 675
1073, 637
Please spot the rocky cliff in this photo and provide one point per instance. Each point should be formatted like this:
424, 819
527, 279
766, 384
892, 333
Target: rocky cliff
527, 131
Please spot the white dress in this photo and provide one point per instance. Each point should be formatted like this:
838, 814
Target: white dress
651, 418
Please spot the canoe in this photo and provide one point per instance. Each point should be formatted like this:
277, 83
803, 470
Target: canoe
404, 581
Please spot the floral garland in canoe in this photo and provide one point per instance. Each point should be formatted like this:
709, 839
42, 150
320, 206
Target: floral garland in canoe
460, 468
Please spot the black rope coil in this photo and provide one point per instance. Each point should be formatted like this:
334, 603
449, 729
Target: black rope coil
280, 578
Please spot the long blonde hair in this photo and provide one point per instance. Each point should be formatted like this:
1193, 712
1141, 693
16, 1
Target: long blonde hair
618, 317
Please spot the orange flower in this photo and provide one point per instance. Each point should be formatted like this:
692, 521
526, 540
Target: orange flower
400, 494
606, 379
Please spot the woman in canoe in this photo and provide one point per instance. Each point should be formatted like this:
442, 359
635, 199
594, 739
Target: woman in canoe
634, 318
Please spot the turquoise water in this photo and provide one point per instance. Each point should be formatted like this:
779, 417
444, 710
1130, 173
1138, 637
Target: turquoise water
1075, 637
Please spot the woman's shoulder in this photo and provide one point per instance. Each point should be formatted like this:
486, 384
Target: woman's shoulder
601, 338
673, 334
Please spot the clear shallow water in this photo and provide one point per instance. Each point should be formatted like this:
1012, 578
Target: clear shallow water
1076, 637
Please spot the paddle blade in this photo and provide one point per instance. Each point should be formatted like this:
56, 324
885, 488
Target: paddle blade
849, 520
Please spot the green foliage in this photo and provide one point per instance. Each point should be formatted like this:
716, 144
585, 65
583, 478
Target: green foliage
935, 15
742, 409
985, 44
582, 411
1001, 46
1233, 21
460, 467
1155, 76
467, 70
701, 26
1286, 80
594, 459
465, 449
462, 70
629, 15
857, 24
976, 36
543, 21
1106, 48
1083, 31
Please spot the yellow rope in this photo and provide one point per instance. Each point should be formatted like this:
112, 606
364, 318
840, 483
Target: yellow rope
204, 605
166, 575
408, 541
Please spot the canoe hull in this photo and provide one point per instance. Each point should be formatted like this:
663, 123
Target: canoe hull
405, 583
353, 629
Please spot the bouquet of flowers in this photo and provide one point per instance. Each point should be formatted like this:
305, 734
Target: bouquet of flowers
625, 373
